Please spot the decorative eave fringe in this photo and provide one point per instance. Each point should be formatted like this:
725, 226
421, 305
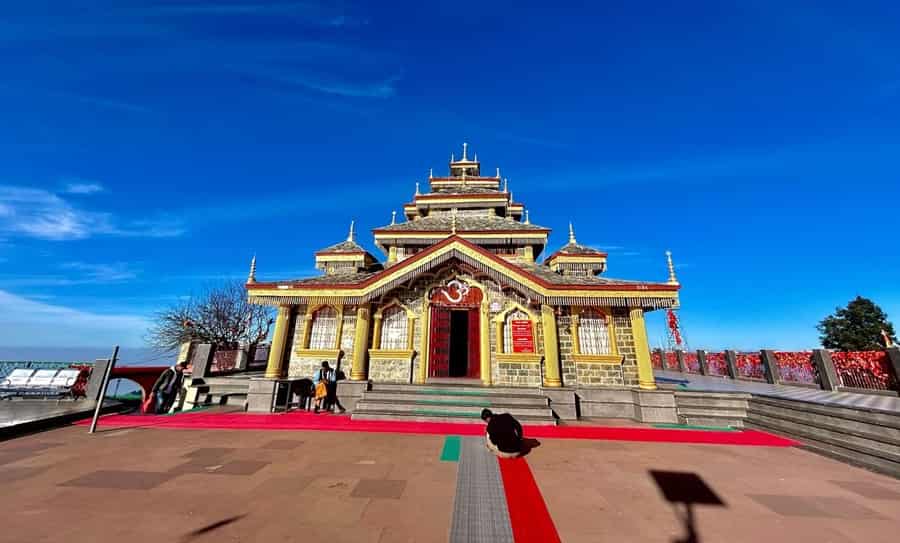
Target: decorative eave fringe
646, 302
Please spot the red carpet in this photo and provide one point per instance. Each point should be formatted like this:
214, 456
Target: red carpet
302, 420
528, 515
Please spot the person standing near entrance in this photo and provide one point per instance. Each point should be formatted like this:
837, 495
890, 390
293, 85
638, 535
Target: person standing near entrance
319, 384
504, 434
167, 387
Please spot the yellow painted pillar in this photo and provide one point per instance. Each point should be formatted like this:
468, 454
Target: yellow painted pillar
279, 339
422, 372
576, 343
642, 350
485, 345
410, 335
376, 335
360, 344
551, 348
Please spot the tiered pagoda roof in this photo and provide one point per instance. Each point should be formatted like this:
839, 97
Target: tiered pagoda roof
473, 219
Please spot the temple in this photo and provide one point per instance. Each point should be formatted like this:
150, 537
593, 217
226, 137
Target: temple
463, 293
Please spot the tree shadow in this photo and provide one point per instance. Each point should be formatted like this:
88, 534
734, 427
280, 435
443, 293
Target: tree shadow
686, 489
528, 444
212, 527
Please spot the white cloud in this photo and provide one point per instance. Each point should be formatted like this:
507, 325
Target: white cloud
25, 322
83, 187
41, 214
102, 273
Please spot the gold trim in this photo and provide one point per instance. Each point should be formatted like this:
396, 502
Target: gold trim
524, 358
441, 234
339, 258
646, 380
521, 277
317, 353
598, 358
551, 348
576, 259
390, 354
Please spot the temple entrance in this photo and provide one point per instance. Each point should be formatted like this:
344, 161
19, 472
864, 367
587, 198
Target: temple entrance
455, 344
459, 343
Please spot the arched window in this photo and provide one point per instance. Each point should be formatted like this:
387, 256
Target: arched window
323, 334
517, 315
394, 329
593, 333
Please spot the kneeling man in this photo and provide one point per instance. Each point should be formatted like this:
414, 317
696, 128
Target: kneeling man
504, 434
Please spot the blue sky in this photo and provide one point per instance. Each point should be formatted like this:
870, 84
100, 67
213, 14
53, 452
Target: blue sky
151, 148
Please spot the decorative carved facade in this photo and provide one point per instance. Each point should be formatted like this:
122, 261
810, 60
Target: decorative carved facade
462, 294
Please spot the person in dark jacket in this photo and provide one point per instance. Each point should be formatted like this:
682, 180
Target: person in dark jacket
504, 434
167, 387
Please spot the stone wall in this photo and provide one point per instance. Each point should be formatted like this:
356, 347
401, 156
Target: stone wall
392, 370
625, 344
566, 348
518, 374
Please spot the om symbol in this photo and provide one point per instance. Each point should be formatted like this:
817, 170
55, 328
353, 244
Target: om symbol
461, 289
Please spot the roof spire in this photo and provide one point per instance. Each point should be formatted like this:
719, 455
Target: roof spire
252, 277
498, 172
672, 279
417, 188
352, 235
465, 147
505, 185
476, 157
572, 234
527, 217
452, 157
393, 217
430, 173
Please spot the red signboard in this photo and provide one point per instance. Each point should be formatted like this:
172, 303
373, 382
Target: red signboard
522, 336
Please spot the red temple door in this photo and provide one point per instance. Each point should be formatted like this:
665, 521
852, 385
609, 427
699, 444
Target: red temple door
474, 369
439, 355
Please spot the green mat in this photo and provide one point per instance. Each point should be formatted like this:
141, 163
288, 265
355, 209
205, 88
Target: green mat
451, 392
451, 449
692, 427
459, 403
438, 413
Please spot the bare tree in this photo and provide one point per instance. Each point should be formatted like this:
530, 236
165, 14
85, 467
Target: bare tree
221, 315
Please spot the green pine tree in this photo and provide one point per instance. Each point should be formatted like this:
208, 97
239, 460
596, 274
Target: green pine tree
856, 327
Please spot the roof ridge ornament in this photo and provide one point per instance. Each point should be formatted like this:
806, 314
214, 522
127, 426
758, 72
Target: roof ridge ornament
393, 217
465, 148
352, 235
498, 172
430, 173
572, 234
252, 277
672, 279
505, 185
417, 188
527, 217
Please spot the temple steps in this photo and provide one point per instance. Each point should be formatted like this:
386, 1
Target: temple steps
451, 403
862, 437
712, 408
225, 391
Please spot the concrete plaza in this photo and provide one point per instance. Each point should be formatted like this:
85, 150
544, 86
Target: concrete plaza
155, 484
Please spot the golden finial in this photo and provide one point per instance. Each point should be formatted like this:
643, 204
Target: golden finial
452, 157
430, 173
572, 234
465, 147
417, 188
476, 158
672, 279
527, 217
352, 235
498, 172
252, 277
393, 217
505, 185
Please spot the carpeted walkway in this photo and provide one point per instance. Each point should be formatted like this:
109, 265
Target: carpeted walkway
303, 420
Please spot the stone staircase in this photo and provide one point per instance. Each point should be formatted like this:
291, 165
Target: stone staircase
451, 403
226, 390
712, 408
864, 437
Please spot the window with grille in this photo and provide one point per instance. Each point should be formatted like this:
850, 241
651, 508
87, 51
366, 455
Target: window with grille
517, 315
394, 328
324, 329
593, 333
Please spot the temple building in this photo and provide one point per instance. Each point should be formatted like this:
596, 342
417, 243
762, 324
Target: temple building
463, 293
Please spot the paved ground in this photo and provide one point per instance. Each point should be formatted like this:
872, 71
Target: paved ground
879, 402
155, 485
